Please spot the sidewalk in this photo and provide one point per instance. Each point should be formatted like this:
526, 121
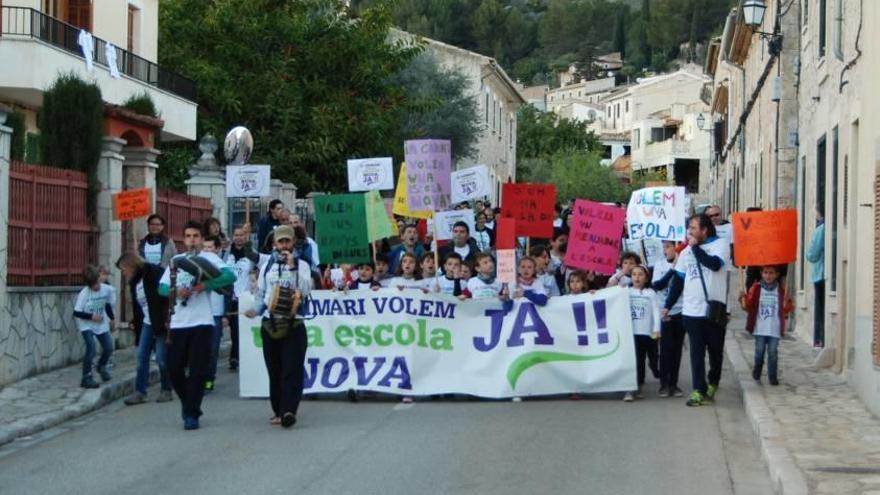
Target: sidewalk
49, 399
814, 433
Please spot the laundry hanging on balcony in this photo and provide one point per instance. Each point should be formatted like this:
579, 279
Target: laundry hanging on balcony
87, 43
110, 56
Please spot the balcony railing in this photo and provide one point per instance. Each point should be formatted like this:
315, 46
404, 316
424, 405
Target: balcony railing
26, 22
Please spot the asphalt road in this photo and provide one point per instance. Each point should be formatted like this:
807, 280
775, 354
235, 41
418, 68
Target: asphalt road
599, 446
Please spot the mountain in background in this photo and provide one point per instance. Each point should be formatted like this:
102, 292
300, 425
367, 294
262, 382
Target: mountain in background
534, 39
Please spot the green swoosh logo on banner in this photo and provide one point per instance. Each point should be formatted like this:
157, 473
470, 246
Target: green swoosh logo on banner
526, 361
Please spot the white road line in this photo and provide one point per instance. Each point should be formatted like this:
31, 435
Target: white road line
403, 406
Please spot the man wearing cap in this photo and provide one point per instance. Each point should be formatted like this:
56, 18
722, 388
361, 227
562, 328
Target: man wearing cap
284, 338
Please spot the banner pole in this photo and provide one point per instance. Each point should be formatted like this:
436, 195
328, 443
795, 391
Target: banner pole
247, 214
528, 245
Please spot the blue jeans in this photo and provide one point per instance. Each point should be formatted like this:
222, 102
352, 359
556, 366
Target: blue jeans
146, 344
771, 345
106, 350
216, 335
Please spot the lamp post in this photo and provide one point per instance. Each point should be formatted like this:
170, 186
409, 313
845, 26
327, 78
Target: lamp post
753, 16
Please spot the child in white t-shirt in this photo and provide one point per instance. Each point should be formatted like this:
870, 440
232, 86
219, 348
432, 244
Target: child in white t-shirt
94, 317
448, 282
485, 285
527, 284
645, 311
623, 278
407, 273
767, 307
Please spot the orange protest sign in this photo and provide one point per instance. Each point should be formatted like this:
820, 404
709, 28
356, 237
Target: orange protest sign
131, 204
765, 237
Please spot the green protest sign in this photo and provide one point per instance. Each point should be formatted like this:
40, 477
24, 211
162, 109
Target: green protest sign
341, 229
378, 224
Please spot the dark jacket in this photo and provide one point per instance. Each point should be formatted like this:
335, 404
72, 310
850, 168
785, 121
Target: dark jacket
158, 305
450, 248
169, 250
267, 226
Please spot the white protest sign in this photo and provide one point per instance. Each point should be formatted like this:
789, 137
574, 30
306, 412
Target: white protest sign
445, 220
370, 174
653, 251
248, 181
470, 183
657, 213
252, 378
411, 343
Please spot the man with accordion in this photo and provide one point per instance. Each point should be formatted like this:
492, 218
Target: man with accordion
283, 287
187, 283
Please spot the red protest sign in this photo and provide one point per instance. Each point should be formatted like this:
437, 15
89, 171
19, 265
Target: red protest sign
765, 237
133, 203
532, 206
594, 242
505, 233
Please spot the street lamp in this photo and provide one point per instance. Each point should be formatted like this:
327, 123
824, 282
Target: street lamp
701, 122
753, 16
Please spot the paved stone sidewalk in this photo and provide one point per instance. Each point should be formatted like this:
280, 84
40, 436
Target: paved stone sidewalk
49, 399
814, 432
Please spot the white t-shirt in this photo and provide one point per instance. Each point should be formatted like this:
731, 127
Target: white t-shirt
536, 286
446, 286
645, 311
361, 285
483, 238
661, 268
279, 274
243, 269
463, 251
94, 302
197, 310
480, 289
693, 299
141, 296
549, 282
406, 283
153, 253
767, 324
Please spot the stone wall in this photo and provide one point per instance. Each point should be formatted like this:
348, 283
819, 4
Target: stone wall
41, 334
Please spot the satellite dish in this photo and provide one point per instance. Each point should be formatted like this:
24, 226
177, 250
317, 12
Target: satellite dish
238, 146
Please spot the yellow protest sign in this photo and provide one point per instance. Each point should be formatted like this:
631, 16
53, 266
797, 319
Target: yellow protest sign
401, 201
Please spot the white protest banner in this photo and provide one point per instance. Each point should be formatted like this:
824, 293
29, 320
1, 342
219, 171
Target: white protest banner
248, 181
444, 221
370, 174
634, 247
470, 183
253, 381
411, 343
506, 265
657, 213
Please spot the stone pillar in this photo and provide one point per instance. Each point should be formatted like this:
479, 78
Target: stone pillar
109, 175
288, 194
5, 315
139, 171
208, 180
276, 187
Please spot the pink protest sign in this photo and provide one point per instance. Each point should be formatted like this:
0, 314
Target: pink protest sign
428, 169
594, 243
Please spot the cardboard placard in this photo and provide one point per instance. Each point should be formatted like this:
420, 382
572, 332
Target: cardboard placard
401, 199
532, 206
657, 213
505, 233
594, 242
765, 237
133, 203
428, 181
445, 220
506, 265
370, 174
470, 183
341, 228
248, 181
378, 223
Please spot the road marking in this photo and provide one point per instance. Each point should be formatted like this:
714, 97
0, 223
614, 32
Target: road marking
403, 406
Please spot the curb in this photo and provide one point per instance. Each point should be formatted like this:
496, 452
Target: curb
786, 476
91, 401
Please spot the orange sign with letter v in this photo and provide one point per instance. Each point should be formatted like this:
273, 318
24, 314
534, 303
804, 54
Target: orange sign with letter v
765, 237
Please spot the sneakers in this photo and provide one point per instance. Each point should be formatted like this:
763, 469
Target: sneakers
628, 397
209, 386
639, 394
696, 399
756, 375
774, 382
190, 423
105, 375
664, 392
677, 392
135, 399
88, 382
164, 396
288, 420
710, 392
516, 399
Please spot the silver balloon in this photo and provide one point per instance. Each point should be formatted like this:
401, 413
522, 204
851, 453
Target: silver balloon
238, 146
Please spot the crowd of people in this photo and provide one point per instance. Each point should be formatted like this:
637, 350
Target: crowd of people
180, 311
